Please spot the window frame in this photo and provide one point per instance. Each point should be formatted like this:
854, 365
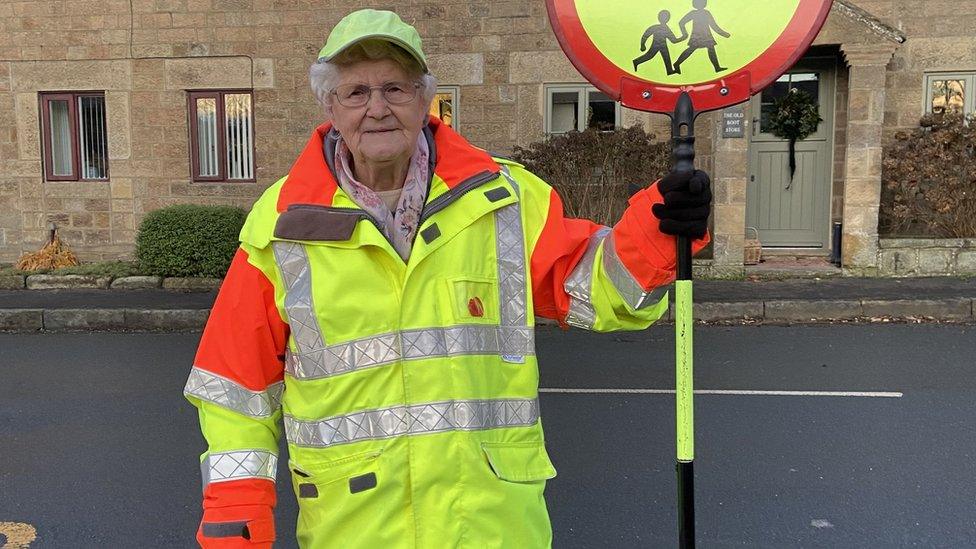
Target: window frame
47, 156
583, 102
218, 96
455, 92
969, 101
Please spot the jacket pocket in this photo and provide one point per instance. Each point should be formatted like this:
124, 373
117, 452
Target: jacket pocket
323, 474
474, 300
519, 461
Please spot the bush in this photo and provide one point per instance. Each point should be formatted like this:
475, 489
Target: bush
929, 180
189, 240
595, 172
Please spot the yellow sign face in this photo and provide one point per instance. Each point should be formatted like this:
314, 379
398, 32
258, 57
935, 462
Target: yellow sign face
682, 42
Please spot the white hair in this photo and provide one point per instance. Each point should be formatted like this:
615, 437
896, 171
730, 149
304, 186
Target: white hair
323, 75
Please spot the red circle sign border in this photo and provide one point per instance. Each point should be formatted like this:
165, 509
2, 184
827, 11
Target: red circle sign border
644, 95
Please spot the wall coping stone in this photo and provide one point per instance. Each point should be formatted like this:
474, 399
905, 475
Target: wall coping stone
13, 282
136, 282
67, 282
187, 284
917, 243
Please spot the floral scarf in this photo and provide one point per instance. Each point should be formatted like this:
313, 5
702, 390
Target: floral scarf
400, 226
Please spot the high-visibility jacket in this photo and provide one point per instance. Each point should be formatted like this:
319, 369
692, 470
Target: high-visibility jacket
408, 390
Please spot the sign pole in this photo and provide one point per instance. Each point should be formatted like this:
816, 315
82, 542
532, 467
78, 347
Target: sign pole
683, 156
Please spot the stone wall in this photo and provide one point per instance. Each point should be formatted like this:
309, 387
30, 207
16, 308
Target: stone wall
925, 256
940, 38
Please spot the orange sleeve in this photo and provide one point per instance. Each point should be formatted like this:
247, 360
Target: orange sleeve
646, 252
559, 248
245, 336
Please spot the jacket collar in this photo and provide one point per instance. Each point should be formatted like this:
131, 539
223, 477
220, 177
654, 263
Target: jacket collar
311, 179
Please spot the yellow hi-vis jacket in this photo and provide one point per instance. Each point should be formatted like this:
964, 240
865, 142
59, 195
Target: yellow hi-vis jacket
408, 390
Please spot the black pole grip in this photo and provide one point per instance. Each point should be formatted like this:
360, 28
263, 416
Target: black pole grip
683, 157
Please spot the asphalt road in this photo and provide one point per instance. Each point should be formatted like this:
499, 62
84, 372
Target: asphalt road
98, 447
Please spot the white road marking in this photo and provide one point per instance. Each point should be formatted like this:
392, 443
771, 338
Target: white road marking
862, 394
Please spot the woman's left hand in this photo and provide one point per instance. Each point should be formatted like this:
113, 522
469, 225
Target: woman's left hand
687, 203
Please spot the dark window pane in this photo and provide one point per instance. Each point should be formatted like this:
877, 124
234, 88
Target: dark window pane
93, 142
779, 88
602, 112
808, 82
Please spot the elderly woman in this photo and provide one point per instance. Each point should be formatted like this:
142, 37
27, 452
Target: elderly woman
382, 306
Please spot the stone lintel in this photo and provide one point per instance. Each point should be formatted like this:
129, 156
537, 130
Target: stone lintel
207, 73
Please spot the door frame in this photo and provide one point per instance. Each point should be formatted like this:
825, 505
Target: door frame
828, 67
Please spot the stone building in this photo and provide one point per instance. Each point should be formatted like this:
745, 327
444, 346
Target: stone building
112, 108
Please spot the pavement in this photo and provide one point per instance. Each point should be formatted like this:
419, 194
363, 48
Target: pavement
800, 300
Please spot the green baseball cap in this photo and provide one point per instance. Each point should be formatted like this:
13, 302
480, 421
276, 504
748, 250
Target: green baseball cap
373, 25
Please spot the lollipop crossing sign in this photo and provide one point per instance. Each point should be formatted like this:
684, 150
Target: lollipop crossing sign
644, 53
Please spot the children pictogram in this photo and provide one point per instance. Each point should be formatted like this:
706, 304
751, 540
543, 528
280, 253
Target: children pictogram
661, 33
702, 25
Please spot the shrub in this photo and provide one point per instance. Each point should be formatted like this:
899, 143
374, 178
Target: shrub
189, 240
595, 172
929, 180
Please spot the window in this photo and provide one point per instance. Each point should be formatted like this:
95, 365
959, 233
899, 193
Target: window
221, 135
445, 105
950, 92
575, 107
75, 136
808, 82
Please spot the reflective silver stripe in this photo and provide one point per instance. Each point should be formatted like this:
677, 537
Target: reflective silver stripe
293, 262
368, 352
223, 466
510, 253
229, 394
625, 283
579, 285
435, 417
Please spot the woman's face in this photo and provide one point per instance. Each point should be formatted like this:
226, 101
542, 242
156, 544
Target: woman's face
378, 132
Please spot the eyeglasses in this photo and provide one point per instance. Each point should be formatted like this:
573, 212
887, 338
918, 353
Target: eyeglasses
357, 95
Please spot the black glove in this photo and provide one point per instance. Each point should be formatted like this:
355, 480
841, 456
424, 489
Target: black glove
687, 203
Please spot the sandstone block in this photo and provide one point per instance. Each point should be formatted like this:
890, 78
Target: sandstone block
805, 311
943, 309
67, 282
21, 320
83, 319
169, 320
136, 282
191, 284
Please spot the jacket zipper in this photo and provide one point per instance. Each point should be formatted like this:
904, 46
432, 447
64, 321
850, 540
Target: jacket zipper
457, 192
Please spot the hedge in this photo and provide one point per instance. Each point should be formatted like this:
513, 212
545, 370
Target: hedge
189, 240
595, 172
